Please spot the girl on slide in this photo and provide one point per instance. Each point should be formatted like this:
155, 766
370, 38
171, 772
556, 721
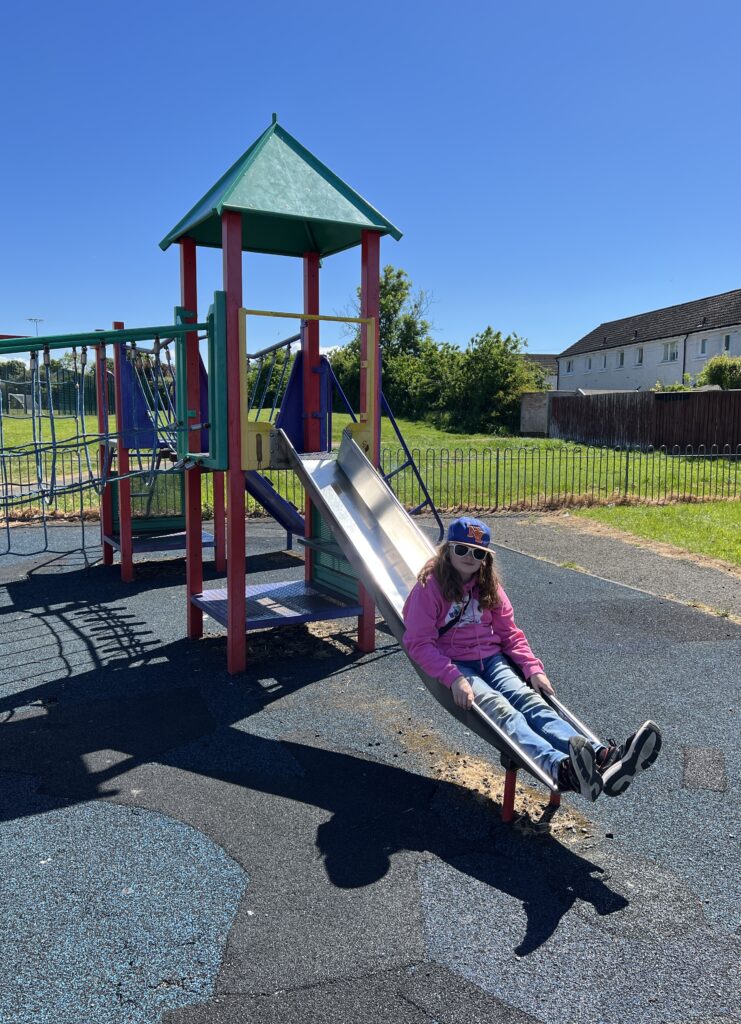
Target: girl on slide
460, 629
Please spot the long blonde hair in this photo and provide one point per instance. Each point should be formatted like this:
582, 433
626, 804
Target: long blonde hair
451, 584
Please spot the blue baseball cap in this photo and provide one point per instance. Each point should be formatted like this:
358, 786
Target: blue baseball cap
469, 531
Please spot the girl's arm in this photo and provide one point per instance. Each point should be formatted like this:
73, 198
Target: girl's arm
421, 637
513, 641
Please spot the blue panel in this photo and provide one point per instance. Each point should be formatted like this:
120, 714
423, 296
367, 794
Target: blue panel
291, 415
134, 420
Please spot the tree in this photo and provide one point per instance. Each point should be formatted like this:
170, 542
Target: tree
493, 375
403, 332
723, 370
13, 369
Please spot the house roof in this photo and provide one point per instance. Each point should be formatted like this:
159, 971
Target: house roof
708, 314
291, 203
548, 362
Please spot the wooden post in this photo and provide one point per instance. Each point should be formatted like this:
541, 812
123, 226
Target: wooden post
125, 536
193, 516
311, 383
236, 643
106, 498
370, 288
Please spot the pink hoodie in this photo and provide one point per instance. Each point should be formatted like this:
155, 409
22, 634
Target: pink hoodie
477, 635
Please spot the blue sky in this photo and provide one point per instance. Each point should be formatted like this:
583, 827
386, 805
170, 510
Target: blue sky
551, 166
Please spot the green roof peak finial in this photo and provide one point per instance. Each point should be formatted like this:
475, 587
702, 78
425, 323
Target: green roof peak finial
275, 118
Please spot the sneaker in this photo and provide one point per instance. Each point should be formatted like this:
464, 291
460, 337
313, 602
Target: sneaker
619, 765
578, 772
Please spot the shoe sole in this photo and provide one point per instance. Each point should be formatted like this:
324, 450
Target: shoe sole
639, 756
590, 781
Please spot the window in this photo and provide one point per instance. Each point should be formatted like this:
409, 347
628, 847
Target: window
639, 356
604, 363
569, 365
703, 347
670, 352
589, 362
621, 360
726, 343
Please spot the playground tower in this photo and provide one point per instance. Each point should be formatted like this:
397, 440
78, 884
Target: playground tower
276, 198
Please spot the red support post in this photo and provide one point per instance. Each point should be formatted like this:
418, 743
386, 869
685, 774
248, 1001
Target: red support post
106, 499
311, 382
555, 800
193, 516
508, 800
219, 522
370, 291
125, 535
236, 643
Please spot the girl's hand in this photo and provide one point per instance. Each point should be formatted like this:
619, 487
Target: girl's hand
462, 693
541, 683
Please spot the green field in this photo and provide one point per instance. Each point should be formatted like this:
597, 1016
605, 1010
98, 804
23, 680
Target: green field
473, 472
710, 528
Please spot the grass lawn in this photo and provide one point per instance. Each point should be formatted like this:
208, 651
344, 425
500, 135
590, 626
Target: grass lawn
709, 528
474, 472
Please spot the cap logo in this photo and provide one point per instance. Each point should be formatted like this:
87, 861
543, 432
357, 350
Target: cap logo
475, 533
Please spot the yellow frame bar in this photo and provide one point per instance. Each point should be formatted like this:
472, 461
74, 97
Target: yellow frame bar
256, 436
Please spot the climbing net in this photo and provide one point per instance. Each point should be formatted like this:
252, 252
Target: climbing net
54, 464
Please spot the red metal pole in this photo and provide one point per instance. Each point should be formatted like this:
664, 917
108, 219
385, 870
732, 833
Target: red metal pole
508, 800
125, 537
555, 800
193, 517
311, 382
370, 291
106, 500
219, 522
236, 578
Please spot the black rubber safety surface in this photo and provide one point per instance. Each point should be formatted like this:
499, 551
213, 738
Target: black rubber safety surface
184, 847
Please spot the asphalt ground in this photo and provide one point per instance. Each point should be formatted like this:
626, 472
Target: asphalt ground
319, 841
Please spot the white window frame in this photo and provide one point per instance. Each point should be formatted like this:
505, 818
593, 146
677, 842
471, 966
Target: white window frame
670, 353
589, 363
604, 363
726, 343
639, 356
569, 366
621, 360
703, 348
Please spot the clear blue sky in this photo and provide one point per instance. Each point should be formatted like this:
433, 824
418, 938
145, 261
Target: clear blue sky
551, 165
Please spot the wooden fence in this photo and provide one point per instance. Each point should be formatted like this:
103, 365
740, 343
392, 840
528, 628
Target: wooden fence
644, 419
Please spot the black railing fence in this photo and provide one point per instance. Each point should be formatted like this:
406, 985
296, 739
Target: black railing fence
17, 398
492, 479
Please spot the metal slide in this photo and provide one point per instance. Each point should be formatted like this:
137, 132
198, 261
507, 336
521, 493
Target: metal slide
387, 550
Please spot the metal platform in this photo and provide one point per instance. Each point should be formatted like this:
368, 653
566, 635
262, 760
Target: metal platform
147, 543
279, 604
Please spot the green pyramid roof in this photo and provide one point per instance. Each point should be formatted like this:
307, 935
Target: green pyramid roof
290, 202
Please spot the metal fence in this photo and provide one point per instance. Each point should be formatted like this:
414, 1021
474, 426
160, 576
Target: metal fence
492, 479
16, 392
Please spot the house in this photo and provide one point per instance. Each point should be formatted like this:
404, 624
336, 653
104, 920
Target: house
549, 366
634, 353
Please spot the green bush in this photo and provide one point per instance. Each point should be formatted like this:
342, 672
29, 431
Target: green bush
724, 370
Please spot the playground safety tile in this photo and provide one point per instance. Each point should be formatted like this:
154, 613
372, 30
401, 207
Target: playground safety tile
500, 929
418, 994
116, 913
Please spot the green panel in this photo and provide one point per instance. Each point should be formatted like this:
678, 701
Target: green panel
290, 201
159, 510
217, 457
333, 572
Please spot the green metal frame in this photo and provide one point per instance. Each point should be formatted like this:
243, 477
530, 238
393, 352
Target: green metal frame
217, 457
329, 567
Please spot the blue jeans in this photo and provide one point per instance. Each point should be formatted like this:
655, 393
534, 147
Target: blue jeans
519, 711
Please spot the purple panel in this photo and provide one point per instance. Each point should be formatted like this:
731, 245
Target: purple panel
203, 386
291, 415
134, 420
